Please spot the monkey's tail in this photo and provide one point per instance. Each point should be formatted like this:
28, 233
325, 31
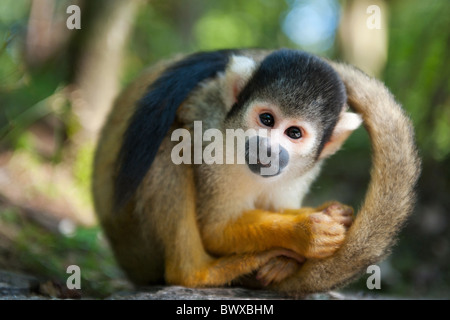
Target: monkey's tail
391, 193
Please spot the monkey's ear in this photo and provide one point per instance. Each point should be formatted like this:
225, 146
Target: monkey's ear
347, 123
237, 74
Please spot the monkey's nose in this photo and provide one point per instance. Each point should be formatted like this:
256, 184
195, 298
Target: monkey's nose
270, 164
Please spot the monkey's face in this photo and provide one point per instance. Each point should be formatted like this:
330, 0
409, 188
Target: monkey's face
281, 144
295, 104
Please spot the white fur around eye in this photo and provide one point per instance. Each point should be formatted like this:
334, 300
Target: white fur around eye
308, 142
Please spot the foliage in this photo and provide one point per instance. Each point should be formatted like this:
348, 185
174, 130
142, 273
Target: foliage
48, 254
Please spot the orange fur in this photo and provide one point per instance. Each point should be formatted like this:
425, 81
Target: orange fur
308, 232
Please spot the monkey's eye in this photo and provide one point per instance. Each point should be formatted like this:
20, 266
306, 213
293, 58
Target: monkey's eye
294, 133
267, 119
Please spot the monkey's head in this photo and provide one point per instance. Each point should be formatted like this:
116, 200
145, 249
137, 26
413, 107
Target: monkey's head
296, 104
296, 97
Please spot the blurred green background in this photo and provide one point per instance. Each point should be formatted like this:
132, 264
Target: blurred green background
56, 85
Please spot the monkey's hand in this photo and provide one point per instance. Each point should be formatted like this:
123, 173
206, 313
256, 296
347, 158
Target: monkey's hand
329, 224
327, 229
338, 212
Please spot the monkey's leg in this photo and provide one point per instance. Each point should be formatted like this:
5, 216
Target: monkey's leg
187, 263
221, 271
312, 233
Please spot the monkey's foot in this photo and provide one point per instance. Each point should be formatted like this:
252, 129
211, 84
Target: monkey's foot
277, 269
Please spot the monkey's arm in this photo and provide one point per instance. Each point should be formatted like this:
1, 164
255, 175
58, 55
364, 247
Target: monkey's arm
310, 232
390, 197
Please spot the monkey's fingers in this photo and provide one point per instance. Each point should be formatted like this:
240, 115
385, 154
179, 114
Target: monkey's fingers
276, 270
324, 225
340, 213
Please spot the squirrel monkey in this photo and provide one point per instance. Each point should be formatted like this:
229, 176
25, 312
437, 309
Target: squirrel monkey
198, 224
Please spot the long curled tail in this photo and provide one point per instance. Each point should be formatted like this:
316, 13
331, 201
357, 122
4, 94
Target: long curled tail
391, 194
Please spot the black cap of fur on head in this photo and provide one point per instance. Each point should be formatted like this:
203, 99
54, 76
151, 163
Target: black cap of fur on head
300, 84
